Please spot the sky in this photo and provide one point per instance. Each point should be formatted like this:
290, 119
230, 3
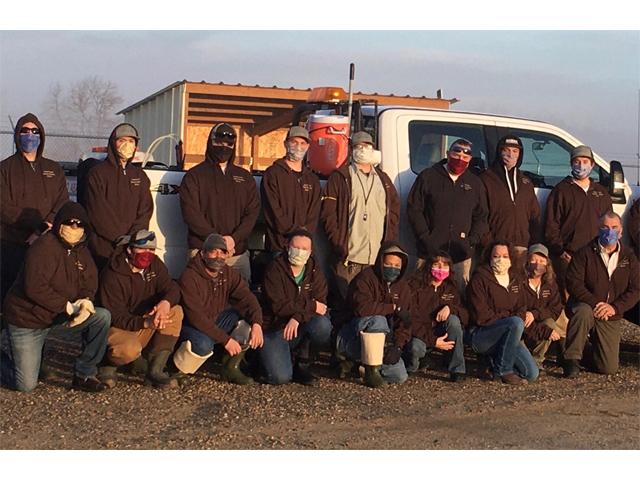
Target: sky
585, 81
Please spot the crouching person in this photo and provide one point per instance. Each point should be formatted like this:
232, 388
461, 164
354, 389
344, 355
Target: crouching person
437, 316
380, 302
143, 300
55, 290
295, 314
208, 288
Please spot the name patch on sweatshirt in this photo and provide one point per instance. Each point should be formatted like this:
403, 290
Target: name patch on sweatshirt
238, 179
48, 173
136, 182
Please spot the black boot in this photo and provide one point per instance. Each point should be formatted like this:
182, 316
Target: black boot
231, 368
571, 368
107, 375
372, 377
156, 375
302, 375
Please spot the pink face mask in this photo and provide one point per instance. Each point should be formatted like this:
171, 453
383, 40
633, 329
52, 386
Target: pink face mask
439, 274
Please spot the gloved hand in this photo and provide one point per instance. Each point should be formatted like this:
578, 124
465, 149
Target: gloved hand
83, 308
392, 355
85, 303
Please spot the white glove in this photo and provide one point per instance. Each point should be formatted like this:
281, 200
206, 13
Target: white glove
86, 303
84, 310
71, 308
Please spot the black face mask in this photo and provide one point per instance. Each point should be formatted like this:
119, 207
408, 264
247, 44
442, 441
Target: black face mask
221, 153
214, 264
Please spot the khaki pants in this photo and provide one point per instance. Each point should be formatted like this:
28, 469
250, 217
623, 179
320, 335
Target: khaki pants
124, 346
539, 348
241, 263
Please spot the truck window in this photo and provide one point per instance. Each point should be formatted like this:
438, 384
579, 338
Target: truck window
429, 142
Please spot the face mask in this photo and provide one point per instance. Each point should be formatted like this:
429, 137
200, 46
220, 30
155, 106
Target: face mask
390, 274
71, 235
296, 153
221, 153
581, 172
608, 237
126, 150
457, 166
215, 265
509, 161
29, 142
500, 266
367, 156
298, 257
142, 260
536, 269
440, 274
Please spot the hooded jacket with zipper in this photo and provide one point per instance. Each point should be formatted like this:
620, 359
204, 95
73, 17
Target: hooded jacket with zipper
213, 201
489, 301
284, 299
291, 201
29, 196
54, 273
334, 212
544, 305
130, 295
118, 200
588, 280
447, 215
514, 212
633, 226
369, 294
204, 298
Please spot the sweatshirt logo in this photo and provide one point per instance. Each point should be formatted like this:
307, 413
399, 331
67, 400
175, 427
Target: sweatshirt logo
48, 173
238, 179
80, 266
545, 293
149, 276
597, 193
514, 288
447, 297
525, 180
623, 263
466, 187
307, 187
136, 182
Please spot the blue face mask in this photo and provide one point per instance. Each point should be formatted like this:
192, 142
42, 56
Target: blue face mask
29, 142
390, 274
608, 237
581, 172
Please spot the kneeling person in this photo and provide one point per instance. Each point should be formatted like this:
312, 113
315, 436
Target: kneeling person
295, 315
209, 287
143, 300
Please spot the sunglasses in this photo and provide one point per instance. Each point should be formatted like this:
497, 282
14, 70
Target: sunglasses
77, 223
34, 130
457, 149
142, 241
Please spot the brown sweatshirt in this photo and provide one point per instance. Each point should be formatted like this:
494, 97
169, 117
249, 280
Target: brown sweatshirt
573, 216
633, 226
427, 301
54, 273
489, 301
30, 192
334, 213
118, 201
284, 299
588, 280
291, 200
204, 298
130, 295
547, 305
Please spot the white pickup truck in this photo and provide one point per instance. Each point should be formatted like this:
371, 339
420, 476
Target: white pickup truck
410, 139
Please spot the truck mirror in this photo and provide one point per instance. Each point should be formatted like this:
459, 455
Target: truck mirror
616, 182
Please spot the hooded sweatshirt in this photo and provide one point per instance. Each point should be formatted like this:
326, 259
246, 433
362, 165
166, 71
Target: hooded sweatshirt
514, 212
542, 305
369, 294
633, 226
204, 298
214, 201
118, 200
291, 201
54, 273
130, 295
31, 192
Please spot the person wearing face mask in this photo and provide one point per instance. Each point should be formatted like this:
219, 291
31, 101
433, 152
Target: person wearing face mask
117, 196
380, 325
296, 321
145, 315
498, 309
437, 316
545, 321
574, 207
514, 212
55, 291
32, 190
447, 210
209, 287
290, 193
603, 280
360, 210
218, 196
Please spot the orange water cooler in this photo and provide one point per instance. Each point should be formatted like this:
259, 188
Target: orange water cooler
329, 145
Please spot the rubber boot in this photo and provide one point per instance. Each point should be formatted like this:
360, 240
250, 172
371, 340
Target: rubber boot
231, 368
107, 375
303, 355
372, 377
156, 376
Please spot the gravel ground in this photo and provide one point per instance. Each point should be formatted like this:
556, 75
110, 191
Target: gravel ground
427, 412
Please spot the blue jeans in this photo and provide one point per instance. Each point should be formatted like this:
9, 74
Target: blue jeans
417, 349
275, 354
348, 344
502, 342
21, 370
201, 343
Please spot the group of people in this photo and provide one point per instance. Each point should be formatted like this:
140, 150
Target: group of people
90, 268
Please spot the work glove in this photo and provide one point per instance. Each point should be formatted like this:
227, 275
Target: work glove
391, 355
82, 309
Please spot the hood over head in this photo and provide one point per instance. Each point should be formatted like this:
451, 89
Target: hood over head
29, 117
508, 141
68, 211
391, 247
121, 130
221, 128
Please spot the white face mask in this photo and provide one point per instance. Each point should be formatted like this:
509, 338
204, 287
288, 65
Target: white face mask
500, 265
298, 257
509, 159
296, 152
126, 150
71, 235
367, 156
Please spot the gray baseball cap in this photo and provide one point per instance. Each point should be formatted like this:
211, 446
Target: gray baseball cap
540, 249
213, 242
125, 130
361, 137
582, 151
298, 132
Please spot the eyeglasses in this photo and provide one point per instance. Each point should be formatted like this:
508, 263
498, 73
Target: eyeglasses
34, 130
75, 222
457, 149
